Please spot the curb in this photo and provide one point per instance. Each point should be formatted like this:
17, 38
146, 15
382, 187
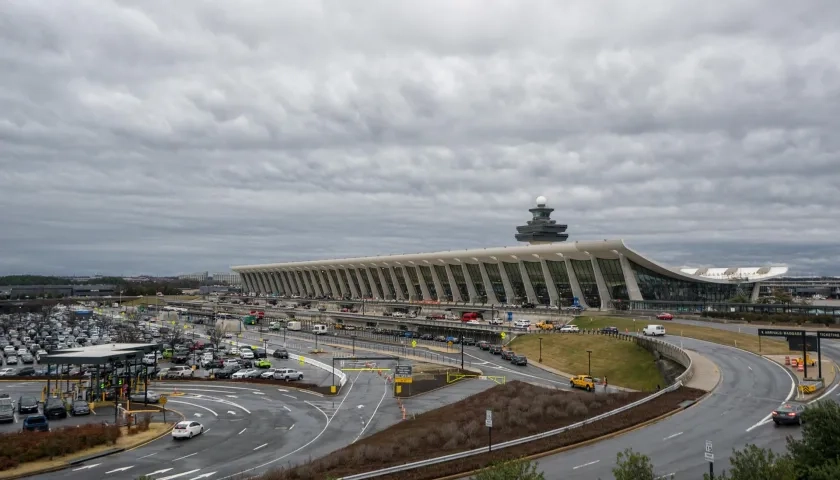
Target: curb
584, 443
106, 453
435, 389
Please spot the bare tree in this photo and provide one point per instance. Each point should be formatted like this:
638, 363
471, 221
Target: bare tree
215, 335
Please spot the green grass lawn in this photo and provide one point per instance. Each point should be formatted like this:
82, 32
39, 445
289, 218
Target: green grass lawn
623, 363
154, 300
716, 335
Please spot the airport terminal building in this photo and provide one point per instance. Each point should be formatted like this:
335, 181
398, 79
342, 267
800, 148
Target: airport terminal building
549, 271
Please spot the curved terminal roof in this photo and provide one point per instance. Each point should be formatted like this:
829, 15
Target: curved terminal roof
608, 249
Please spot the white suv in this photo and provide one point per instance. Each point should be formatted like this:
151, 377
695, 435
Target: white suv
179, 371
287, 374
522, 323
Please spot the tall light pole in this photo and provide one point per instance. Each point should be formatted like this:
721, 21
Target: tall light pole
590, 362
462, 351
540, 360
354, 345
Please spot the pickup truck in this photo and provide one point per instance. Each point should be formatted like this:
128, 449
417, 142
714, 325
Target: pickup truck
547, 325
583, 381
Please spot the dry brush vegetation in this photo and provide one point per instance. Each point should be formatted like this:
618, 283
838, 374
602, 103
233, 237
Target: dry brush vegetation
519, 409
17, 448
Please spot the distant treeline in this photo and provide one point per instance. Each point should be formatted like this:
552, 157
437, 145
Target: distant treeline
167, 287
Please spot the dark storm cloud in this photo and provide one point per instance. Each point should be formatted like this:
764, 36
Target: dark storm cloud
166, 137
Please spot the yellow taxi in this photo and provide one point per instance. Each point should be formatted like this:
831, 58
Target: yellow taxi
583, 381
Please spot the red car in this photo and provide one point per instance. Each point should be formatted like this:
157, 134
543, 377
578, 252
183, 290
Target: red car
664, 316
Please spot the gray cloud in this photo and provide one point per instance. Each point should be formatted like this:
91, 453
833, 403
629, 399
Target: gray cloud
161, 137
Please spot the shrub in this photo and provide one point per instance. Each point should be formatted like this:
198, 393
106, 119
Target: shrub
18, 448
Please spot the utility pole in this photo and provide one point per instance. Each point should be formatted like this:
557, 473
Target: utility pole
462, 351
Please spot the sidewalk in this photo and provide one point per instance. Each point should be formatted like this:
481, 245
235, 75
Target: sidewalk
407, 357
828, 370
598, 387
706, 373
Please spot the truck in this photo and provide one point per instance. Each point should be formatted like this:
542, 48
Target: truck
319, 329
295, 325
547, 325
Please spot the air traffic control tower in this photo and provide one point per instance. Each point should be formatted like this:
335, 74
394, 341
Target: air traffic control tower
541, 229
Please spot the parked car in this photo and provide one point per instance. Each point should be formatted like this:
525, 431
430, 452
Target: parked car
227, 372
79, 407
654, 330
27, 404
519, 360
141, 397
609, 330
569, 329
507, 354
179, 371
288, 374
280, 353
262, 363
36, 423
246, 373
54, 408
7, 410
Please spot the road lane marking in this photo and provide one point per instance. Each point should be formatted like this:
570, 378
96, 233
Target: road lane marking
243, 431
261, 446
203, 475
179, 475
672, 436
749, 367
287, 408
194, 405
293, 426
365, 424
585, 465
149, 455
290, 396
121, 469
185, 456
158, 471
87, 467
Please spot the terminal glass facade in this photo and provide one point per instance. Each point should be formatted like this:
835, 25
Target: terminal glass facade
560, 278
319, 276
389, 284
343, 285
586, 279
430, 284
290, 278
535, 275
377, 284
337, 282
446, 294
614, 278
514, 275
311, 277
655, 286
352, 280
460, 281
398, 271
495, 276
415, 281
478, 282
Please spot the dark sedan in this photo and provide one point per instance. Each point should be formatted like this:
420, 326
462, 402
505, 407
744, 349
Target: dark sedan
496, 349
519, 360
788, 414
54, 408
280, 353
36, 423
260, 353
484, 345
79, 407
226, 372
609, 330
507, 354
27, 404
180, 359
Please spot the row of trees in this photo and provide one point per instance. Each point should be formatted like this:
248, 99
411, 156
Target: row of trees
815, 457
130, 289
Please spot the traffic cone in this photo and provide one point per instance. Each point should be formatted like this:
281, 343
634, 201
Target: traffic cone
800, 368
787, 360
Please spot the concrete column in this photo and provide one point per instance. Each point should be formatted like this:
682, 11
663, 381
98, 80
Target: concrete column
456, 294
325, 285
340, 287
633, 291
386, 292
438, 284
364, 291
350, 284
285, 280
553, 294
397, 290
273, 282
529, 287
299, 282
573, 281
603, 291
488, 287
314, 282
470, 284
506, 283
279, 282
373, 284
304, 285
246, 281
754, 295
319, 283
412, 294
261, 283
424, 289
335, 290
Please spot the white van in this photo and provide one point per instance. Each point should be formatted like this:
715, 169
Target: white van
319, 329
293, 325
654, 330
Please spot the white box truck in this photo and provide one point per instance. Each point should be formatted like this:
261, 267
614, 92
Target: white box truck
295, 325
319, 329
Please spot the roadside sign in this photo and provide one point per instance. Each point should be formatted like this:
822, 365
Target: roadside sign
414, 343
449, 343
509, 316
163, 400
503, 335
403, 380
709, 453
488, 419
402, 371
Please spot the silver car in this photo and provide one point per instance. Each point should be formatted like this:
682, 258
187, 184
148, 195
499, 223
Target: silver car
153, 397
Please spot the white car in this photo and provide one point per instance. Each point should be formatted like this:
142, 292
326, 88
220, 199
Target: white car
187, 429
522, 323
11, 360
6, 372
233, 351
473, 322
244, 373
153, 397
246, 354
569, 329
266, 374
496, 321
9, 350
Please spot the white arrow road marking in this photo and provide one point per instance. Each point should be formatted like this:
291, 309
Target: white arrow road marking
195, 405
86, 467
672, 436
159, 471
203, 475
231, 412
120, 469
290, 396
281, 390
585, 465
197, 415
287, 408
179, 474
258, 393
231, 396
360, 406
261, 446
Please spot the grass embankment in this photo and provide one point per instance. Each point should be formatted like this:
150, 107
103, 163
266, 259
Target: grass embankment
715, 335
155, 300
624, 363
124, 441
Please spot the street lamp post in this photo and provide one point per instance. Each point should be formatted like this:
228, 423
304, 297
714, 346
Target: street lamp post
590, 362
354, 345
462, 351
540, 360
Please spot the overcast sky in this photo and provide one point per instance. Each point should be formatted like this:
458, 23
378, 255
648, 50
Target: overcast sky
169, 137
